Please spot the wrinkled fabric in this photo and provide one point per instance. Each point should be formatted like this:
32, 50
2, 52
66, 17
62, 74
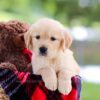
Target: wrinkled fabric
26, 86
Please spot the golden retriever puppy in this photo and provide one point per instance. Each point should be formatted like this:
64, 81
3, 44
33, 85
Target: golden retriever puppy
52, 58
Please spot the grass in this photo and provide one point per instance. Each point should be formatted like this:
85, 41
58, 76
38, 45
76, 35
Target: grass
90, 91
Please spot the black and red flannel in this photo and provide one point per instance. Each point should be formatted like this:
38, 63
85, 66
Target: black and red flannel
27, 86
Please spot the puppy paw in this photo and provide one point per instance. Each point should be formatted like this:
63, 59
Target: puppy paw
49, 78
50, 83
64, 86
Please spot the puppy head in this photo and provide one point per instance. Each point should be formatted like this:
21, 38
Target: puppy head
19, 28
12, 34
47, 37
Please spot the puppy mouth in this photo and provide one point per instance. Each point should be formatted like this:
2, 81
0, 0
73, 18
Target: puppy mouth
43, 51
43, 54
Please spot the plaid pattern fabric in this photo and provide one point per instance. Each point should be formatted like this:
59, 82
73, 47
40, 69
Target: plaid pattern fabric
27, 86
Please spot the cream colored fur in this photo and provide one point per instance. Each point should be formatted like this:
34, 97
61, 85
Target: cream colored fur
58, 66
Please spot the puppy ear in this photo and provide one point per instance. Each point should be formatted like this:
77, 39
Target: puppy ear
67, 41
28, 40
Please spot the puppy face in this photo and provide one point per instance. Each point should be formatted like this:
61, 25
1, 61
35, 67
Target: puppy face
46, 38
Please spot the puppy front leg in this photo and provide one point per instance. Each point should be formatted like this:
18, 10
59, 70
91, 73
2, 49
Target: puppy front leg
49, 78
64, 82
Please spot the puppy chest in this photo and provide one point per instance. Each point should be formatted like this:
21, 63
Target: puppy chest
39, 63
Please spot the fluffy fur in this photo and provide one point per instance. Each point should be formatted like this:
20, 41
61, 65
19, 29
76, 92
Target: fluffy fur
11, 46
58, 65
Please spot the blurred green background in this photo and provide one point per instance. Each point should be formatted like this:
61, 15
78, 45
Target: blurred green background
81, 18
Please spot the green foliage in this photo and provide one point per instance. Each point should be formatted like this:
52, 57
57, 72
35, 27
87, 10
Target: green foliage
67, 11
90, 91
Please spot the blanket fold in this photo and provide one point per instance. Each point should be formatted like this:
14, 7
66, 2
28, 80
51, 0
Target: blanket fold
27, 86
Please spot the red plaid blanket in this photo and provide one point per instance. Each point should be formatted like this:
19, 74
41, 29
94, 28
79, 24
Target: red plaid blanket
27, 86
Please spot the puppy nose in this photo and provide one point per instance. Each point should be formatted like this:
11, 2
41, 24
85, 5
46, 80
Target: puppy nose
43, 50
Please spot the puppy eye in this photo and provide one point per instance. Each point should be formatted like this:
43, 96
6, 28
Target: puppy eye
53, 38
37, 37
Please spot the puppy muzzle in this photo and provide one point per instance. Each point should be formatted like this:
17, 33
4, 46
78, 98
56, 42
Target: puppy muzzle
43, 51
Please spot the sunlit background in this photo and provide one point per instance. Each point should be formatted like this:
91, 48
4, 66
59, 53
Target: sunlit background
82, 20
